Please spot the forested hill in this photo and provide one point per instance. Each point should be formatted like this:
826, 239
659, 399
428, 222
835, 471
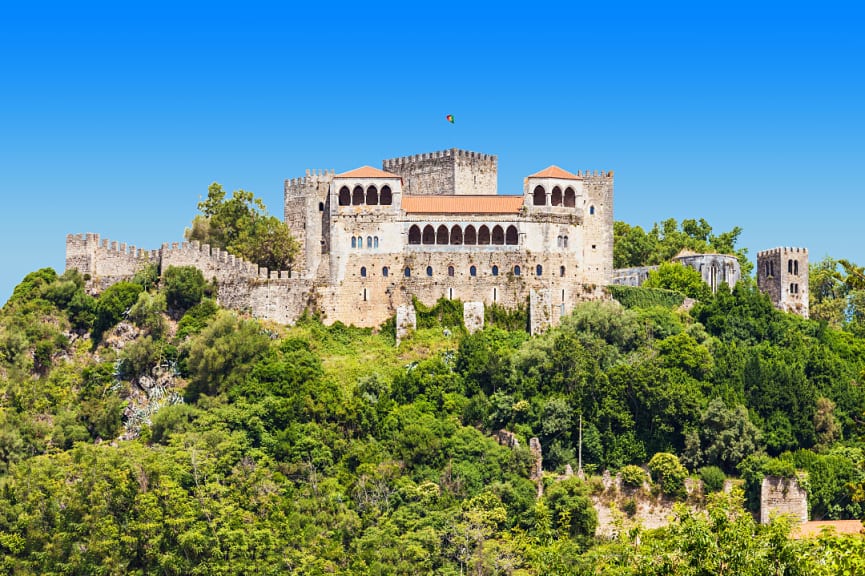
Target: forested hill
148, 432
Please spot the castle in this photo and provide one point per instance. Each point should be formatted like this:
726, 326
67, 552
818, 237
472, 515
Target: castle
427, 226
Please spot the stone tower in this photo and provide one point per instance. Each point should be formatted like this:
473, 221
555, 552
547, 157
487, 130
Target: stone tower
447, 172
307, 213
783, 274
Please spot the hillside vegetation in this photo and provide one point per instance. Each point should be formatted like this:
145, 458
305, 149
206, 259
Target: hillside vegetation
146, 431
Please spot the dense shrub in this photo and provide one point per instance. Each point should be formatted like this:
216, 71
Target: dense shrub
713, 478
633, 476
114, 304
183, 287
669, 473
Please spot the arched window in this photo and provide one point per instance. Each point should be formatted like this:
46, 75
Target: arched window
363, 271
561, 271
517, 270
357, 196
386, 198
321, 206
372, 196
789, 267
565, 241
442, 235
495, 270
498, 236
539, 196
429, 270
511, 236
450, 270
771, 268
369, 241
556, 199
471, 237
429, 235
796, 267
344, 196
591, 210
570, 198
456, 235
484, 235
353, 242
360, 241
407, 272
559, 241
414, 235
375, 241
385, 272
539, 270
473, 271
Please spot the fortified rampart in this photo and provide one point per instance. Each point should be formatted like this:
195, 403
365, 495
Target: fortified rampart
105, 261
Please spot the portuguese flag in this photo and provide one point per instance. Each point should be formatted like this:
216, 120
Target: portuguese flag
450, 118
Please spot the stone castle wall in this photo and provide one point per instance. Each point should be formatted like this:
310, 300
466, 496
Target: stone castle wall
446, 172
104, 261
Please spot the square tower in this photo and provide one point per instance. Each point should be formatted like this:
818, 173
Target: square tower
446, 173
783, 274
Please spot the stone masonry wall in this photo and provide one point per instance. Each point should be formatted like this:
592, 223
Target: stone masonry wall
782, 496
446, 172
788, 289
105, 261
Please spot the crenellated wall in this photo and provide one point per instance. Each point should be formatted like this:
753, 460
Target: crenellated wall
446, 172
782, 273
105, 261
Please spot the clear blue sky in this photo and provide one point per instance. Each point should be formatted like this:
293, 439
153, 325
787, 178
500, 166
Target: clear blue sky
115, 117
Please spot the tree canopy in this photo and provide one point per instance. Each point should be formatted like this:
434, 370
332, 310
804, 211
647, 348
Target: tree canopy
242, 226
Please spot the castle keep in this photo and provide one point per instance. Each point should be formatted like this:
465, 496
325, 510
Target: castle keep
426, 226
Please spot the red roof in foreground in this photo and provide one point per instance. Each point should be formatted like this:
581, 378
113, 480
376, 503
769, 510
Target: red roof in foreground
487, 204
555, 172
814, 528
366, 172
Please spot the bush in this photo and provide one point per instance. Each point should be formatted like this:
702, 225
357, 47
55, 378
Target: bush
629, 507
184, 287
113, 304
669, 473
713, 478
633, 476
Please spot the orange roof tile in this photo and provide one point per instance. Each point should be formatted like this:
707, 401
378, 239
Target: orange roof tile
488, 204
815, 527
555, 172
366, 172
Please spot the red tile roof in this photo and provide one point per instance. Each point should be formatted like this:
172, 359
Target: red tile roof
366, 172
555, 172
814, 528
487, 204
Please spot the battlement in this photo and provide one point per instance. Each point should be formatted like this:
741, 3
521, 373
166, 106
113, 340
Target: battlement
446, 172
312, 177
782, 250
213, 262
393, 163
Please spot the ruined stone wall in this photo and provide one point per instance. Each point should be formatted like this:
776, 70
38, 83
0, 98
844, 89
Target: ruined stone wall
635, 276
105, 261
782, 273
782, 496
715, 269
446, 172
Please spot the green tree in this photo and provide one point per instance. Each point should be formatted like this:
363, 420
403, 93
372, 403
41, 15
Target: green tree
242, 226
682, 279
113, 304
183, 286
